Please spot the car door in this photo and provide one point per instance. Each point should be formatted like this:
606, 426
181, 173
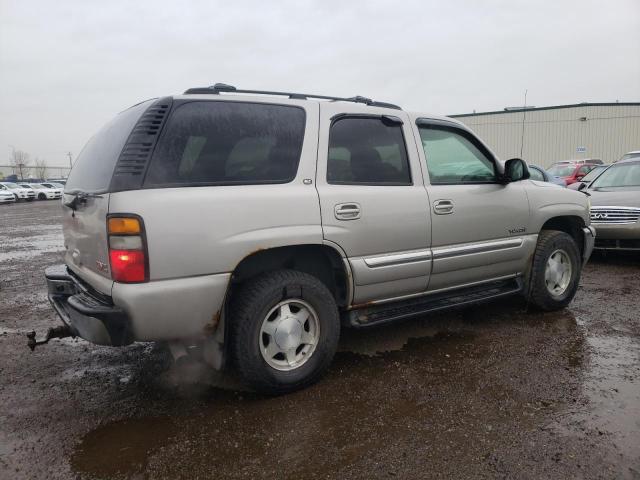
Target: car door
480, 225
373, 202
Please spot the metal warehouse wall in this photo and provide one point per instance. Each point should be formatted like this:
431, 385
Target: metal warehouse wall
604, 131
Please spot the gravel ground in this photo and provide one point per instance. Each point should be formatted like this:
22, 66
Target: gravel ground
495, 391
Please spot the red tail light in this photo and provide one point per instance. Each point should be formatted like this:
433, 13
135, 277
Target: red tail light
127, 265
127, 249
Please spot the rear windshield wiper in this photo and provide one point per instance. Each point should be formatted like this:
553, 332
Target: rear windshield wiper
79, 197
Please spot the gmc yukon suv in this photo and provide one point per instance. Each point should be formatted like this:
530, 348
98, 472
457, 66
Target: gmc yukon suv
254, 224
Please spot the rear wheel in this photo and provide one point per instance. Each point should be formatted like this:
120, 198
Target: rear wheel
284, 331
555, 271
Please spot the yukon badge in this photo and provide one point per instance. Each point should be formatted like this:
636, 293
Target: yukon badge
515, 231
102, 266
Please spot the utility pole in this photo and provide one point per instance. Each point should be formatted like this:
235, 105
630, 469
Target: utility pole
70, 160
524, 117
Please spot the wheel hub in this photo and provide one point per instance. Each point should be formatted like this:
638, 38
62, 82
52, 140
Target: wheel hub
558, 271
288, 333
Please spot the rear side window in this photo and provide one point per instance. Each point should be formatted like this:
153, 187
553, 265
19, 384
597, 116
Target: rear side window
93, 169
367, 151
227, 143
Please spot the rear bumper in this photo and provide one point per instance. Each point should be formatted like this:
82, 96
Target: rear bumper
589, 242
88, 316
161, 310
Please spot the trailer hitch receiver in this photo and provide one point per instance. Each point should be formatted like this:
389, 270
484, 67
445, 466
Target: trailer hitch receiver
57, 332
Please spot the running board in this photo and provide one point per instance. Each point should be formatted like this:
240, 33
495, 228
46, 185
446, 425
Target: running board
389, 312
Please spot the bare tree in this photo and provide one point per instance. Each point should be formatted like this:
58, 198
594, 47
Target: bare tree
41, 168
20, 163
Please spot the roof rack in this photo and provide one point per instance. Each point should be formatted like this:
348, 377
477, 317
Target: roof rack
223, 87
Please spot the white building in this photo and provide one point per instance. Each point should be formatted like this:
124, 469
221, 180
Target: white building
548, 134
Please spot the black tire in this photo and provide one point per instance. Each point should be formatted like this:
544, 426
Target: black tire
249, 307
42, 196
549, 242
17, 198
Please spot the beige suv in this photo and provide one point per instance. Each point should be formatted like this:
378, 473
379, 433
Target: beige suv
253, 224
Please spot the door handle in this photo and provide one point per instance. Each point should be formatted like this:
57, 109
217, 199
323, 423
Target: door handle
443, 207
347, 211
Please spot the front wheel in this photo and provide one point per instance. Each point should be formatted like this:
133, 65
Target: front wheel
284, 331
42, 196
555, 271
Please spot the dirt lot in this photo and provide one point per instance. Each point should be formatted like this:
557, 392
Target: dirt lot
489, 392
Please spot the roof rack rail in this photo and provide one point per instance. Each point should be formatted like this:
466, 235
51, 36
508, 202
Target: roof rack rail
224, 88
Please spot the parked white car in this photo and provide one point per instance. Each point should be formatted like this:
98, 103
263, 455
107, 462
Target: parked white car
19, 192
43, 192
54, 185
6, 196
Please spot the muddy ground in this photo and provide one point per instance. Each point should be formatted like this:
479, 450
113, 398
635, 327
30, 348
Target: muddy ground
495, 391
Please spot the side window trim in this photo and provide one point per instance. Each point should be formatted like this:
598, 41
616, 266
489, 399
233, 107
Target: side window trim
387, 120
438, 124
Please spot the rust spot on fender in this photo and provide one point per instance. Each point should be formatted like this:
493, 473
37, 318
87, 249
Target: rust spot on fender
211, 327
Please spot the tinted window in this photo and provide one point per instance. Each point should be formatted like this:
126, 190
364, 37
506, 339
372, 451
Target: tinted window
536, 174
454, 158
368, 151
225, 143
93, 169
562, 170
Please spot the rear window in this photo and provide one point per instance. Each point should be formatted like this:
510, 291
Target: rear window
227, 143
93, 169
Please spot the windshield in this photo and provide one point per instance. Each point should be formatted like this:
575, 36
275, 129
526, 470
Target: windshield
12, 185
626, 156
589, 177
49, 185
620, 175
562, 170
34, 186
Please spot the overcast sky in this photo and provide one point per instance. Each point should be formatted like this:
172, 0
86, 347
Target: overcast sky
66, 67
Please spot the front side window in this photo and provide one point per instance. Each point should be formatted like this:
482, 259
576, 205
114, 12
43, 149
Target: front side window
227, 143
453, 157
584, 170
560, 170
536, 174
593, 174
367, 151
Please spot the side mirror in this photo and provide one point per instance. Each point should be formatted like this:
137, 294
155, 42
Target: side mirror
515, 169
582, 186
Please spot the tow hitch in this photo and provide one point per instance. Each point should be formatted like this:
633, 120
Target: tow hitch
57, 332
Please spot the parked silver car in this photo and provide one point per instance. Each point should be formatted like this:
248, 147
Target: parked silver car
254, 225
615, 196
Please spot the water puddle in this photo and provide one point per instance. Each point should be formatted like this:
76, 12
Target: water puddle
22, 248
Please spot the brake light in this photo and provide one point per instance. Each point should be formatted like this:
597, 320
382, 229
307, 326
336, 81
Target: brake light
127, 250
127, 266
